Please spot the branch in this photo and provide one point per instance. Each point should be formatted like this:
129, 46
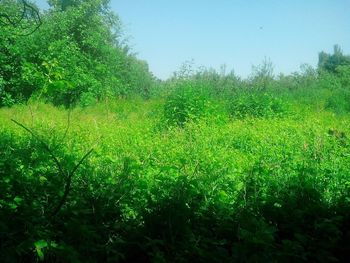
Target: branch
68, 184
68, 175
46, 147
9, 21
35, 14
68, 124
28, 13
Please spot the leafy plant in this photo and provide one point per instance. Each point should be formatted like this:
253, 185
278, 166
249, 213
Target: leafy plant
266, 189
186, 103
7, 100
77, 49
339, 101
256, 104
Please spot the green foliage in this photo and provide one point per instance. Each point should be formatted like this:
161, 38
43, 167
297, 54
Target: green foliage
87, 99
256, 104
221, 83
330, 62
188, 102
343, 73
339, 101
262, 75
250, 190
78, 49
7, 100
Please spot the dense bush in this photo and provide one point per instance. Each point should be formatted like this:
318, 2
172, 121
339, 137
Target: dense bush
256, 104
188, 102
330, 62
77, 50
339, 101
261, 190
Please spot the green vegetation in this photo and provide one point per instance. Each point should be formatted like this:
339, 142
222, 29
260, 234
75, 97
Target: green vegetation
203, 167
76, 56
251, 103
188, 102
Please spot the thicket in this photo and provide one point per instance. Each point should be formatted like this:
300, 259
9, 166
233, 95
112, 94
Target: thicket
254, 104
272, 190
188, 102
76, 56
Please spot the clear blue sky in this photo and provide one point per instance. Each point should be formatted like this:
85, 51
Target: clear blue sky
238, 33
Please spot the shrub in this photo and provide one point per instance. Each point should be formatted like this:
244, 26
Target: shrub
187, 102
256, 104
87, 99
339, 101
263, 191
6, 100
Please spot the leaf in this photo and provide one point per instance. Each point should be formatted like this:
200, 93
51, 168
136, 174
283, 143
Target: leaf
17, 200
40, 254
222, 195
13, 206
53, 244
39, 245
42, 179
278, 205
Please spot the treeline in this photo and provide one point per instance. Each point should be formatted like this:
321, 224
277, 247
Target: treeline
333, 71
76, 55
189, 93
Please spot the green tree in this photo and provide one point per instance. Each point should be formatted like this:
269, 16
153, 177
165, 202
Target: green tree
17, 20
262, 75
330, 62
78, 52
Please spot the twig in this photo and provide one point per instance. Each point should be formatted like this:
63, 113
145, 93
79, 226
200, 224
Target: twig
26, 10
68, 124
47, 148
68, 175
67, 128
68, 184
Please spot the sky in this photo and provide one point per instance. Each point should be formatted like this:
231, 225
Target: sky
235, 33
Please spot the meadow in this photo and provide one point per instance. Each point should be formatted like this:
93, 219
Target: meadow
166, 182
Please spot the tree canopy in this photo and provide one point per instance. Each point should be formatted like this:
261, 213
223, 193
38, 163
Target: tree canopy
77, 55
330, 62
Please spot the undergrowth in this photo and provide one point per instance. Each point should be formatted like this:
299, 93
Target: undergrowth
239, 190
